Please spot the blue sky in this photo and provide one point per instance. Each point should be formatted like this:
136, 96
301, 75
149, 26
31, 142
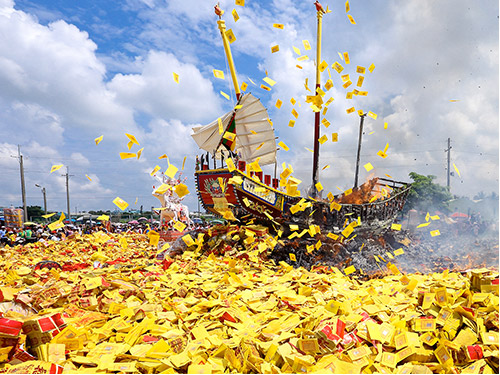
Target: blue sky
71, 71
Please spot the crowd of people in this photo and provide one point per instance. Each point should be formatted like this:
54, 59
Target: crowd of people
29, 233
41, 232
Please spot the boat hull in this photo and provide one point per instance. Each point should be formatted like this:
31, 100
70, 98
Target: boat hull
251, 197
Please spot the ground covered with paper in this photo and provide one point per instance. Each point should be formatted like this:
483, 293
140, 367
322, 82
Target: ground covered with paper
113, 306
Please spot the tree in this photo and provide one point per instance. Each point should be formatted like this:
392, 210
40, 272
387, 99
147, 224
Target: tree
479, 196
427, 196
35, 211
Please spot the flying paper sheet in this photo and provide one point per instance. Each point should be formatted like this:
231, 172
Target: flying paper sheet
235, 15
279, 26
56, 167
218, 74
122, 205
275, 48
156, 169
171, 171
176, 77
230, 36
283, 146
127, 155
224, 95
98, 140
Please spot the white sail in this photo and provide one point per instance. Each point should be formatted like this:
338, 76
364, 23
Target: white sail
254, 134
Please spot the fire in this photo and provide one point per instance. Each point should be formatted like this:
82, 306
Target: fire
361, 194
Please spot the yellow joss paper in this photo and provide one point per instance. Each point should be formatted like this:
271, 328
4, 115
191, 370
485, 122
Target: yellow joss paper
395, 226
171, 171
291, 123
319, 187
188, 240
56, 167
351, 19
264, 87
292, 257
180, 226
139, 153
323, 139
176, 77
372, 115
269, 81
347, 7
55, 225
350, 110
154, 237
306, 44
349, 270
371, 68
323, 66
456, 169
48, 215
156, 169
283, 146
98, 140
295, 113
278, 26
278, 104
181, 190
230, 36
88, 177
244, 86
225, 95
399, 251
275, 48
218, 74
346, 58
236, 17
230, 165
122, 205
435, 233
127, 155
241, 3
368, 167
132, 139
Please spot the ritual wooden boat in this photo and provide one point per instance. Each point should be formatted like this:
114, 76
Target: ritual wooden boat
242, 140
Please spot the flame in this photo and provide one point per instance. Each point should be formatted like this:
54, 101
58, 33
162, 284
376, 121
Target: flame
362, 193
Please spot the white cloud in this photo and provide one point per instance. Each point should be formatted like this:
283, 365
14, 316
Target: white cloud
155, 92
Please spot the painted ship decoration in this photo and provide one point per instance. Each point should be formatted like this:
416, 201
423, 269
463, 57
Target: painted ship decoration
241, 141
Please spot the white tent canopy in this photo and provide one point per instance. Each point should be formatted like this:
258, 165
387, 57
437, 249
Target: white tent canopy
254, 134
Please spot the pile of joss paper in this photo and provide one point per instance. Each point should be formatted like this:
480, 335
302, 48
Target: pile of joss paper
106, 303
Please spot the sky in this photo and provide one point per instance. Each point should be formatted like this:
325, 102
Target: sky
71, 71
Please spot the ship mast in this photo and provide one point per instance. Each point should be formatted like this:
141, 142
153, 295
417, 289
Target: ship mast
222, 28
315, 175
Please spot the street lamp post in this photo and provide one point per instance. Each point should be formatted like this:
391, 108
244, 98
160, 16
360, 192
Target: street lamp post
44, 198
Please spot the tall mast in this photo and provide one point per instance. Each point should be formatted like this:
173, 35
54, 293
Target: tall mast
222, 28
315, 175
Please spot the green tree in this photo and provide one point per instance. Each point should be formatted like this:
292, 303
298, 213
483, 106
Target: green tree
35, 212
425, 195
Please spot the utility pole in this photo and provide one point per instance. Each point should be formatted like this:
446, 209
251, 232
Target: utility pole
44, 198
448, 170
23, 187
361, 121
67, 175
